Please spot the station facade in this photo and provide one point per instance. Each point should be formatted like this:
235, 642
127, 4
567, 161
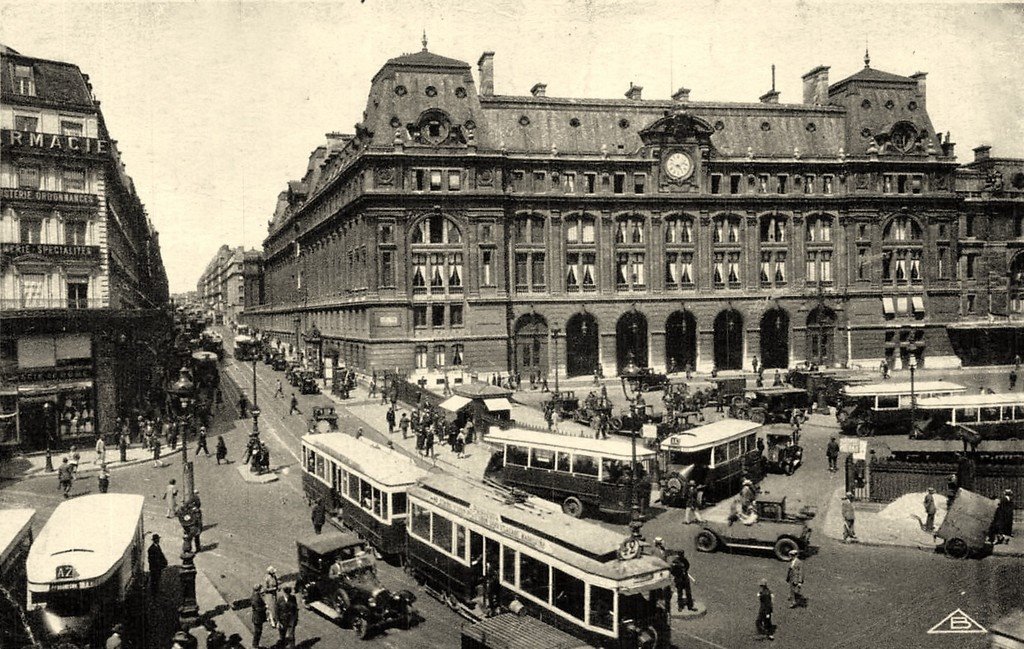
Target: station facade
459, 229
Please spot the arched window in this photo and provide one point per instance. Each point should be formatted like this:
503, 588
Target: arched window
630, 258
530, 239
773, 229
580, 254
437, 256
902, 250
725, 267
679, 252
727, 229
818, 268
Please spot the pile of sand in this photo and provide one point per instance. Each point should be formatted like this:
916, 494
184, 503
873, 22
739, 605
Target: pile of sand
911, 506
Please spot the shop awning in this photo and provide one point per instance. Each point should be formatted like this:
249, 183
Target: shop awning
455, 403
918, 302
888, 307
497, 405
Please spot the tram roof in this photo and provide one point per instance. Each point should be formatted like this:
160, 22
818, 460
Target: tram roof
536, 523
13, 523
708, 435
613, 448
89, 533
389, 467
889, 388
972, 400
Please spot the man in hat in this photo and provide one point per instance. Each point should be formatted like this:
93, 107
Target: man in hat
319, 515
65, 477
848, 518
680, 571
765, 600
659, 549
270, 585
287, 618
259, 615
1002, 523
929, 510
832, 453
747, 495
201, 443
692, 503
795, 579
157, 563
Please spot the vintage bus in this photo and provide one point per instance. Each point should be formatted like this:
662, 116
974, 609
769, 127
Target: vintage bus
716, 456
364, 483
582, 474
884, 408
971, 416
86, 563
572, 574
15, 541
247, 348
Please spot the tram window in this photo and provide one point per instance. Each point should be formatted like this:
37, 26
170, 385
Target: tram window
612, 470
563, 462
567, 593
990, 414
420, 522
383, 504
366, 496
968, 414
585, 464
476, 549
460, 541
888, 401
542, 459
310, 461
517, 455
441, 533
601, 607
1018, 412
343, 481
320, 466
508, 565
720, 454
734, 449
398, 503
353, 487
534, 577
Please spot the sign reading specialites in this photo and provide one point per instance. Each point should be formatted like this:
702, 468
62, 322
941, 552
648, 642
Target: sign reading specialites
44, 196
52, 143
50, 250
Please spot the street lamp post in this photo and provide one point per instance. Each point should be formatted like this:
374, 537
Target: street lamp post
912, 364
635, 519
255, 402
554, 337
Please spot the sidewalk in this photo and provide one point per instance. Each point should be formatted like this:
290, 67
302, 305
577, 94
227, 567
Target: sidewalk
897, 525
34, 465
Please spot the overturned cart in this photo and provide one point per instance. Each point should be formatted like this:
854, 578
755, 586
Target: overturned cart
965, 528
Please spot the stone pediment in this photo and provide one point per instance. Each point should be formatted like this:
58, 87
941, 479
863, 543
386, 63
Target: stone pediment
677, 128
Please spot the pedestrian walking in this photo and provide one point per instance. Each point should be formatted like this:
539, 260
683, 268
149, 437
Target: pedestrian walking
692, 503
243, 406
319, 516
65, 477
279, 392
270, 584
122, 446
103, 479
222, 449
154, 446
849, 533
403, 424
373, 388
157, 563
795, 579
832, 453
460, 444
428, 444
201, 442
294, 408
75, 458
884, 368
680, 571
1002, 523
765, 604
390, 417
287, 618
171, 496
1013, 379
929, 510
101, 450
259, 614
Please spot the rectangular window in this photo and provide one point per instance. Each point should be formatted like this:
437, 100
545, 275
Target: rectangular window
419, 522
33, 290
587, 231
419, 270
437, 270
620, 183
780, 268
31, 230
637, 277
508, 565
437, 315
458, 351
387, 268
567, 593
622, 270
639, 183
969, 266
686, 268
718, 269
716, 183
572, 270
916, 184
970, 303
435, 180
601, 613
486, 268
455, 269
915, 265
591, 180
26, 123
518, 180
671, 269
460, 541
542, 459
812, 267
441, 532
826, 184
734, 268
585, 464
454, 180
589, 259
942, 263
74, 233
534, 577
537, 228
782, 184
78, 292
486, 233
421, 181
563, 462
421, 355
826, 266
439, 356
809, 184
766, 267
419, 316
24, 81
537, 270
735, 181
387, 233
69, 127
522, 271
516, 455
569, 182
539, 181
762, 184
28, 177
862, 263
455, 315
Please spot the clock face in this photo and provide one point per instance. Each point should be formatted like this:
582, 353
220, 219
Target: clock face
678, 165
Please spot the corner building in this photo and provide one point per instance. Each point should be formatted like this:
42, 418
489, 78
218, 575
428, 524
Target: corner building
459, 228
82, 281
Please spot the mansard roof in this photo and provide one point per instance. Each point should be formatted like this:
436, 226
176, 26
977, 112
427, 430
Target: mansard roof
57, 83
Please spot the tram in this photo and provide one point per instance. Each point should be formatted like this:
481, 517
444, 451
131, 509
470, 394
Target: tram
882, 408
571, 574
247, 348
972, 417
85, 565
364, 483
716, 456
582, 474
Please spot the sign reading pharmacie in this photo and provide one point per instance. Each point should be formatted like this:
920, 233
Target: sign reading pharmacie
52, 250
51, 143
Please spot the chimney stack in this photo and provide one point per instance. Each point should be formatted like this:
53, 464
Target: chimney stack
981, 152
920, 77
634, 92
816, 86
539, 90
770, 97
486, 67
683, 94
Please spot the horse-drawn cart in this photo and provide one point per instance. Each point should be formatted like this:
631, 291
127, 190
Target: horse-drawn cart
965, 528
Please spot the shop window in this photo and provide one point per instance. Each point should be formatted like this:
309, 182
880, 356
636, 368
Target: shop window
77, 416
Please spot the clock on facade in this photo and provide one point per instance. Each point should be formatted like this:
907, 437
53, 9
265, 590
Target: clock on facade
678, 165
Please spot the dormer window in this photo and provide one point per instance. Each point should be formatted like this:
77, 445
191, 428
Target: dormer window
24, 80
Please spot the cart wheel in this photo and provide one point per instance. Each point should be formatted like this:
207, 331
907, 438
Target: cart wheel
706, 541
573, 507
957, 548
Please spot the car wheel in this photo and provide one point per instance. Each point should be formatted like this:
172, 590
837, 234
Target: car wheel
789, 468
616, 423
341, 602
706, 541
956, 548
361, 628
408, 619
573, 507
783, 547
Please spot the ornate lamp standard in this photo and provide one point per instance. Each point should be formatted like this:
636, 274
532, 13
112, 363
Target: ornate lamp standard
554, 336
912, 364
181, 397
635, 519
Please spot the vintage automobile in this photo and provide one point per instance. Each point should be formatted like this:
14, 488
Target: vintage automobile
565, 403
279, 363
781, 453
628, 422
323, 420
308, 383
773, 530
827, 382
291, 373
769, 405
592, 411
645, 379
338, 579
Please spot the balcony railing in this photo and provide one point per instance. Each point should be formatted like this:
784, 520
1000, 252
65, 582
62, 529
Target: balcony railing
11, 304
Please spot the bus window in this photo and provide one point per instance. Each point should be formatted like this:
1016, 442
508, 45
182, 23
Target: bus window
542, 459
534, 577
310, 461
1018, 413
567, 593
584, 464
398, 503
441, 532
990, 414
460, 541
366, 496
319, 466
888, 401
967, 415
751, 442
508, 565
700, 458
353, 487
601, 607
517, 455
734, 449
563, 462
612, 470
720, 454
343, 481
420, 522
